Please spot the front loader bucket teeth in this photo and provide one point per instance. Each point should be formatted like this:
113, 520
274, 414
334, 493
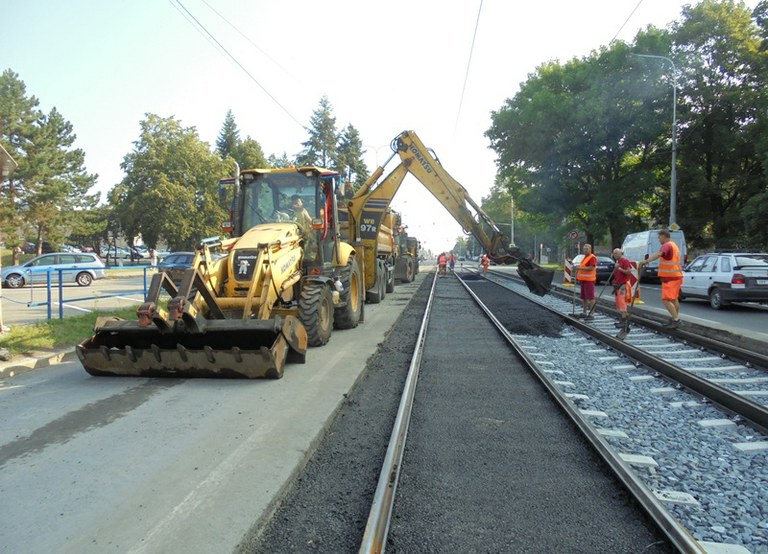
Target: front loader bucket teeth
249, 348
538, 279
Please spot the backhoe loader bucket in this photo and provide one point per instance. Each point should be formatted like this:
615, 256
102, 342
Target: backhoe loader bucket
247, 348
538, 279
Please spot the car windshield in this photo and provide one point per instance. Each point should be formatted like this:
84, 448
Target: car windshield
269, 198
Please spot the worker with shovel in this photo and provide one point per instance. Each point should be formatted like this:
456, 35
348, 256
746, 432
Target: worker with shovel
621, 287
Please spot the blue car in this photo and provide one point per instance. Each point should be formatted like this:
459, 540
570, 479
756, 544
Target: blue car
80, 268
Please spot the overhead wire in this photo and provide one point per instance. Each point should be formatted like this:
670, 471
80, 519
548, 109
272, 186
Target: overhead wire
248, 39
236, 62
469, 63
625, 22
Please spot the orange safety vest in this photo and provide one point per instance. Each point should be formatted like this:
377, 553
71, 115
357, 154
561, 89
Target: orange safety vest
587, 273
671, 269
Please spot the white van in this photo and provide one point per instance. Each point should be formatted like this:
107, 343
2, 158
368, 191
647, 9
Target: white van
639, 246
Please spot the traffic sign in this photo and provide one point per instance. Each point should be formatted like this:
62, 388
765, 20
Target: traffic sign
573, 235
674, 227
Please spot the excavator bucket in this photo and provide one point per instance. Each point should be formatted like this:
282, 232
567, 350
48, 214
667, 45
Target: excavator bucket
249, 348
538, 279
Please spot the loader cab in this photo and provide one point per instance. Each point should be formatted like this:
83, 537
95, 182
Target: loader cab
304, 196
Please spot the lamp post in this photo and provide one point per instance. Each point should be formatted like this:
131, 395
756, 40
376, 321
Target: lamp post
512, 219
673, 172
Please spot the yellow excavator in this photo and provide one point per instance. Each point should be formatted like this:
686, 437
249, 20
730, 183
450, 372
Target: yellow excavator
371, 203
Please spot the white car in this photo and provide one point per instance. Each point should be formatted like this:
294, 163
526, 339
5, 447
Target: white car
725, 277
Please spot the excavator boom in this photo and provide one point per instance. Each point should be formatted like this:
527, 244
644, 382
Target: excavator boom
422, 163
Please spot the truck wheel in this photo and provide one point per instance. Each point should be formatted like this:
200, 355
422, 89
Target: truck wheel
410, 274
316, 313
382, 280
390, 279
347, 317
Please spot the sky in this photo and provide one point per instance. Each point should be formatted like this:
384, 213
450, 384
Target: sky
384, 66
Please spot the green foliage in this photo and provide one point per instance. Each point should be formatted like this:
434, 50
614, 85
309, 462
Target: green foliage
249, 155
722, 74
50, 186
229, 137
320, 148
169, 192
350, 157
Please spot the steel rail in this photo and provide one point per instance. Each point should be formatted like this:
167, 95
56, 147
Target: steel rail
380, 515
678, 535
697, 336
754, 413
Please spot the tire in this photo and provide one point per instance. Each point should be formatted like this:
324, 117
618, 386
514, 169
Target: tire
84, 279
681, 297
382, 280
391, 279
316, 312
15, 281
716, 299
348, 316
376, 294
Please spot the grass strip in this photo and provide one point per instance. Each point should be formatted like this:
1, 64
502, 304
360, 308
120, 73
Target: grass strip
57, 333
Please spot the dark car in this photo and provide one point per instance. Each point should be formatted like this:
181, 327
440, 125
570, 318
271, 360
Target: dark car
605, 267
175, 263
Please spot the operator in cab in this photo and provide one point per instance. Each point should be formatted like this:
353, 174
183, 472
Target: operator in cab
300, 213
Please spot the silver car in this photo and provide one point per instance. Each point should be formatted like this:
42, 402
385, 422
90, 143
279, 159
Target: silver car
725, 277
80, 268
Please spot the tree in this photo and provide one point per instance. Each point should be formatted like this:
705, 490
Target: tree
320, 148
723, 153
169, 191
576, 142
275, 161
229, 137
249, 154
350, 162
56, 182
18, 116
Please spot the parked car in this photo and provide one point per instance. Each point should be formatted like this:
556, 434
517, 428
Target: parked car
605, 267
118, 253
31, 248
78, 268
175, 263
725, 277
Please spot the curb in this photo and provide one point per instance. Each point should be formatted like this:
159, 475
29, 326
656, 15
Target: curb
27, 364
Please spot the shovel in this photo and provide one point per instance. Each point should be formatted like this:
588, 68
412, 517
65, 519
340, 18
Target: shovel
607, 282
625, 331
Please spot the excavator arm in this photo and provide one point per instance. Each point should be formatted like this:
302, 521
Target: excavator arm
422, 163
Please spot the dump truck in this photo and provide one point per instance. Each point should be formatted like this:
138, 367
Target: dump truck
406, 253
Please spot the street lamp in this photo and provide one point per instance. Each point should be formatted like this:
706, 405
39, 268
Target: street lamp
673, 191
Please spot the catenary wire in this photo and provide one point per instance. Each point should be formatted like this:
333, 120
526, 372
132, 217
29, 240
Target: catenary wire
248, 39
469, 63
626, 21
231, 57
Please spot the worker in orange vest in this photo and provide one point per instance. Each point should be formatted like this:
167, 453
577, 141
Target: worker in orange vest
442, 259
671, 275
485, 262
586, 275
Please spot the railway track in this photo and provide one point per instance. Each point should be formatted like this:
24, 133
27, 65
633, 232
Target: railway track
656, 468
653, 370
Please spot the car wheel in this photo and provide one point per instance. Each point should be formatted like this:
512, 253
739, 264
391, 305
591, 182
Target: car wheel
681, 297
14, 280
84, 279
716, 299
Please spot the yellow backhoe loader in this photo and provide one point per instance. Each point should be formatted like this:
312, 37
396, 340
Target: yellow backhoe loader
286, 281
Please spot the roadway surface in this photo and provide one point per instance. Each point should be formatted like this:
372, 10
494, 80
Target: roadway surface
97, 464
